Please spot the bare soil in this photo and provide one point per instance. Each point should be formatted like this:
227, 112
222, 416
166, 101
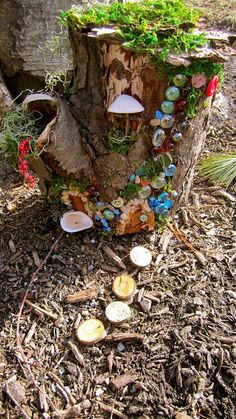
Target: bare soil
184, 363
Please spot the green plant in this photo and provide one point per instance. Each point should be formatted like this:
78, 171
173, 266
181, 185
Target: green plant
118, 143
220, 168
58, 184
139, 25
16, 126
192, 102
151, 168
130, 191
56, 48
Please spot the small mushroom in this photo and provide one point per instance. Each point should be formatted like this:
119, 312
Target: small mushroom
125, 104
74, 221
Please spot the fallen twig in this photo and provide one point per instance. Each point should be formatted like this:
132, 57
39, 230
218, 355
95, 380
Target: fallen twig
114, 257
83, 295
112, 410
181, 237
115, 337
42, 310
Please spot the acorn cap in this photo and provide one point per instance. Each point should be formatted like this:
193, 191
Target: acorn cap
90, 331
74, 221
125, 104
118, 312
124, 286
140, 256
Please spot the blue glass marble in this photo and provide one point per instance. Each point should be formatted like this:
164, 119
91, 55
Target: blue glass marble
132, 177
172, 93
167, 121
162, 197
177, 136
116, 211
167, 106
97, 218
168, 203
158, 115
171, 170
104, 222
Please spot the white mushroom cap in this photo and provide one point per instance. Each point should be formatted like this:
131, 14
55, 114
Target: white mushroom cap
125, 104
73, 221
38, 96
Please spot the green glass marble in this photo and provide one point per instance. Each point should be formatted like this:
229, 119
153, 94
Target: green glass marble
172, 93
180, 80
167, 106
108, 215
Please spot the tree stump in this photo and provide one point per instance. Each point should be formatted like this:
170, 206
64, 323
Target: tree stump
119, 188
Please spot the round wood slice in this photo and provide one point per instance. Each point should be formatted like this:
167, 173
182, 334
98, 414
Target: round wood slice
140, 256
118, 312
124, 286
90, 331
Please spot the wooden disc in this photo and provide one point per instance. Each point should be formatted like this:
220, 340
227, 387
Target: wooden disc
124, 286
118, 312
90, 331
140, 256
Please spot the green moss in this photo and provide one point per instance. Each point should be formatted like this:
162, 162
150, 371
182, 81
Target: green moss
140, 25
192, 102
118, 143
130, 191
18, 125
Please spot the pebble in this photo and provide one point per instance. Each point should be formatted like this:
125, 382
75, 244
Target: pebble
146, 305
120, 347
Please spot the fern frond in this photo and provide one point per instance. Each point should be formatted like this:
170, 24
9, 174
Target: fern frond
220, 168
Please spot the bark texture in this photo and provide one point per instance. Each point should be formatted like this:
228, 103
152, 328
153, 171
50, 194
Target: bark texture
187, 152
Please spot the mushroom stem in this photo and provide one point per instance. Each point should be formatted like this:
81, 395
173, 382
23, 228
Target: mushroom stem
127, 125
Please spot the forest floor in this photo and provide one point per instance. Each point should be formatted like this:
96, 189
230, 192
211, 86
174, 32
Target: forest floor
183, 363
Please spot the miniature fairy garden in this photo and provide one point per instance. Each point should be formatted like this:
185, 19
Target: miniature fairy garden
128, 188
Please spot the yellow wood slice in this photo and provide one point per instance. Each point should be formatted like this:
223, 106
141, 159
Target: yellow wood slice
90, 331
124, 286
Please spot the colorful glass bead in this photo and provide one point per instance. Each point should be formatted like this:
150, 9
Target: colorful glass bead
174, 194
145, 192
171, 170
143, 218
158, 137
180, 80
177, 136
212, 86
118, 203
144, 182
158, 115
108, 215
97, 218
132, 177
162, 197
180, 105
172, 93
168, 203
198, 80
117, 213
167, 121
167, 106
100, 205
104, 222
140, 171
158, 182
